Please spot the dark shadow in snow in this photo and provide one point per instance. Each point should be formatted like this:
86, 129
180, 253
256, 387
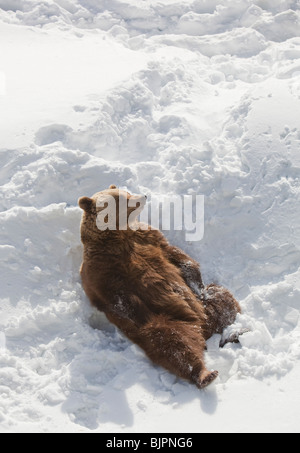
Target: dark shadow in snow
209, 400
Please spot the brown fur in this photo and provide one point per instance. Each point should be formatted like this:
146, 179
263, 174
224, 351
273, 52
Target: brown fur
153, 292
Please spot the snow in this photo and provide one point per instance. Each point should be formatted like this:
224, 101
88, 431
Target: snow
167, 98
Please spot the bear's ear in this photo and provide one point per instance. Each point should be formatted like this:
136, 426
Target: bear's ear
86, 203
112, 186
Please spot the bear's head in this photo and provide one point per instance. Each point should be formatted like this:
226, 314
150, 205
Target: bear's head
112, 209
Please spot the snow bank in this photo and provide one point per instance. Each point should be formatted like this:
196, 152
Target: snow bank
163, 97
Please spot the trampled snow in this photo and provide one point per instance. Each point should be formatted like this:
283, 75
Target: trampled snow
164, 97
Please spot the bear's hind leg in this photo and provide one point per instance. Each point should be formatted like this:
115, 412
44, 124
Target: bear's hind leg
206, 378
221, 309
177, 346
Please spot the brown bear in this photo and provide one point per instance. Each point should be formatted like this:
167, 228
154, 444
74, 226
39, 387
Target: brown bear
153, 292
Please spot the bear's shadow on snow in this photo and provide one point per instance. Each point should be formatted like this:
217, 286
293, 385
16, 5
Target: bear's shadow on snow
118, 388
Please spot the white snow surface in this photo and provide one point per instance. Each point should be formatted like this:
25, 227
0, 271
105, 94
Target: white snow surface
164, 97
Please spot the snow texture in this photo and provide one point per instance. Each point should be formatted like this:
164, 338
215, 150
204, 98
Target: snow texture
164, 97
